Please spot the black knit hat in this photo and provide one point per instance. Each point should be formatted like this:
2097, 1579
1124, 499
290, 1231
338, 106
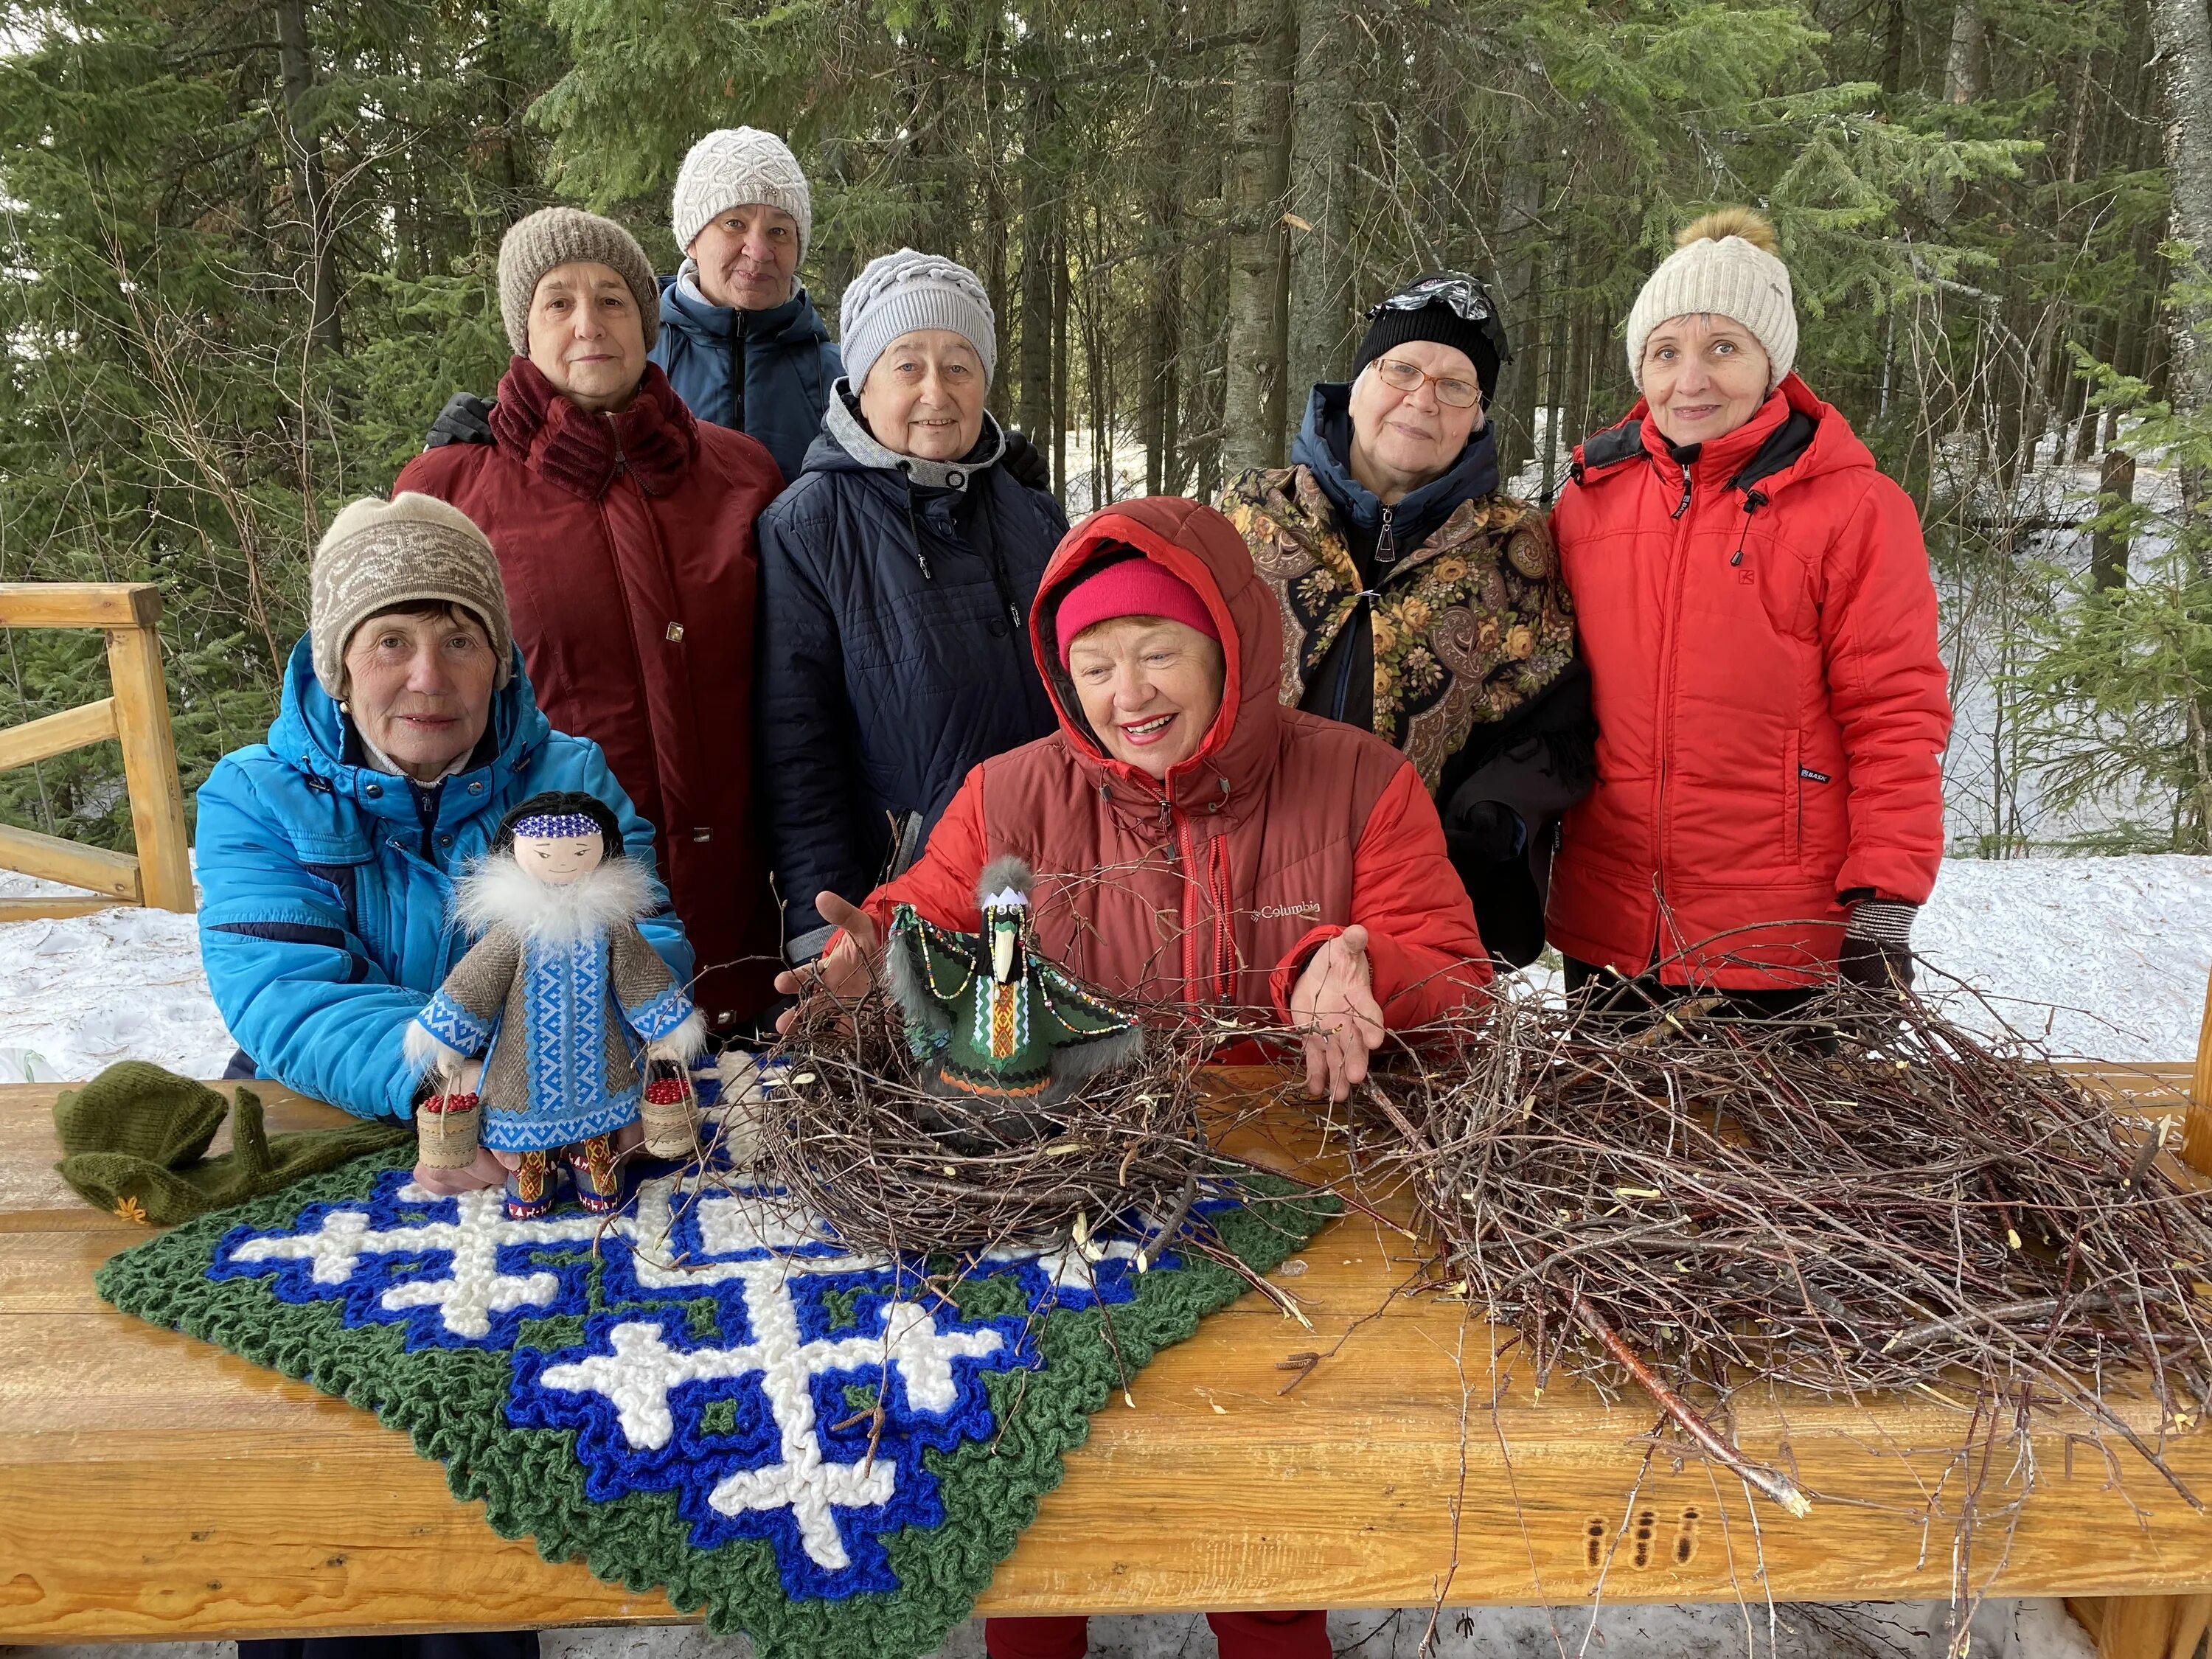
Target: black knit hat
1448, 308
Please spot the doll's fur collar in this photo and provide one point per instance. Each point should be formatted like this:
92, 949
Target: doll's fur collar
499, 891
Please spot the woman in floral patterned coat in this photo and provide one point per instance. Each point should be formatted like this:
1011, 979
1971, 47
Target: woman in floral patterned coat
1421, 602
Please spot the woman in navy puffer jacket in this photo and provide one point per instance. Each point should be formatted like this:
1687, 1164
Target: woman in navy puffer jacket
896, 581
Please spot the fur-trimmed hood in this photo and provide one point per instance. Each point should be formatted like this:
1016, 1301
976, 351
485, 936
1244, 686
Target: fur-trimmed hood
498, 891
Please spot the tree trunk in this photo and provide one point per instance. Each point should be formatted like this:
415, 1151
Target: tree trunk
1060, 370
295, 57
1037, 288
1259, 146
1892, 47
2108, 549
1962, 64
1518, 235
2183, 29
1321, 308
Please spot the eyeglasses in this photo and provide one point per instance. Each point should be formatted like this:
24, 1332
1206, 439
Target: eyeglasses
1401, 376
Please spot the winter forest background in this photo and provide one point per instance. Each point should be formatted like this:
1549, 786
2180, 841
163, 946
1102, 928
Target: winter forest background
248, 250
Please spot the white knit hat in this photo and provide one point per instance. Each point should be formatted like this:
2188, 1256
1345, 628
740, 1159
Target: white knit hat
731, 168
1727, 276
898, 293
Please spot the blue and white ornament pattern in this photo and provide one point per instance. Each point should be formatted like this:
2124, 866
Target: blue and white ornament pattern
724, 1346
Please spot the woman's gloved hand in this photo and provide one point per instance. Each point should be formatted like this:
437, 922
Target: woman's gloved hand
1878, 944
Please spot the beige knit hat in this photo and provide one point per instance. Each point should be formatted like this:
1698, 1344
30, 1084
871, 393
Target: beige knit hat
1726, 264
379, 553
730, 168
557, 236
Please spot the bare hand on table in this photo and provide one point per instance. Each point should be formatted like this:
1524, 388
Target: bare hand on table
1334, 1004
845, 970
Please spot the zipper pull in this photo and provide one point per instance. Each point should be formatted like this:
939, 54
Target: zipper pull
1386, 539
1682, 506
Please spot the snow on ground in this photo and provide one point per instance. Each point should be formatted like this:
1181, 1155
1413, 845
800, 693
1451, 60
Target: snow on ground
2103, 957
2003, 1630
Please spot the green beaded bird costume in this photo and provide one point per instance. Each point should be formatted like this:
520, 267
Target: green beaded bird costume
993, 1022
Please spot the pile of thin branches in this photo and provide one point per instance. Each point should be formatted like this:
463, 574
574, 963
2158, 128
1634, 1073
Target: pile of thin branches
1862, 1197
852, 1132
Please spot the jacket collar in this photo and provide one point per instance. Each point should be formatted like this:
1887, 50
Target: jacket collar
1793, 436
843, 429
795, 322
1196, 544
652, 441
1323, 446
309, 735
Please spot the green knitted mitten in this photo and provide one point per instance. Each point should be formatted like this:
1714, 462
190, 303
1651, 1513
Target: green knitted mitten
135, 1139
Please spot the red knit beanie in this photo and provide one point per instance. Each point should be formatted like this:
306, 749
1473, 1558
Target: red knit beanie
1133, 587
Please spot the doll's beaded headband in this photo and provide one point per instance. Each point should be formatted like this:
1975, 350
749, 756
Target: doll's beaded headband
556, 826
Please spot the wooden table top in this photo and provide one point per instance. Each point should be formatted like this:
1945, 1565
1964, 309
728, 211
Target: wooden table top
154, 1487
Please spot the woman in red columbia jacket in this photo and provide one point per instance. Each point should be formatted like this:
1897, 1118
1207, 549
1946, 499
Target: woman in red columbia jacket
1754, 603
1195, 843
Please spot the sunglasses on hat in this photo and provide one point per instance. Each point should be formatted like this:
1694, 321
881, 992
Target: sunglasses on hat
1465, 296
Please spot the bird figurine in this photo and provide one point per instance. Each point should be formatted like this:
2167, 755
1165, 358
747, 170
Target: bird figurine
992, 1021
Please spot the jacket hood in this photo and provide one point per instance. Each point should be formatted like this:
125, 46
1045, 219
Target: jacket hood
847, 446
793, 323
309, 735
1324, 445
1193, 541
1792, 437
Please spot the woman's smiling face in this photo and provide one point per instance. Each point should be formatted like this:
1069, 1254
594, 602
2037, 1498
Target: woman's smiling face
1149, 687
1703, 376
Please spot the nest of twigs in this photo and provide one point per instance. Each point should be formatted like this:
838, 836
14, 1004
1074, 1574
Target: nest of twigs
1862, 1197
854, 1135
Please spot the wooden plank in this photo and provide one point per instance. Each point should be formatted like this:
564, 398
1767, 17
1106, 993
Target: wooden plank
153, 1487
68, 862
50, 909
2200, 1080
149, 769
79, 605
56, 734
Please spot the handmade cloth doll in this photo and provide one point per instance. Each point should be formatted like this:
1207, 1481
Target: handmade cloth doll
568, 1005
993, 1021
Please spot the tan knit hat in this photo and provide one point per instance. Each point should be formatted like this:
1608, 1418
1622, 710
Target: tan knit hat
379, 553
1728, 265
558, 236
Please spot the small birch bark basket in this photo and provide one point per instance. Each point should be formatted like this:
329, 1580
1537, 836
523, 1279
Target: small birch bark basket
445, 1130
666, 1111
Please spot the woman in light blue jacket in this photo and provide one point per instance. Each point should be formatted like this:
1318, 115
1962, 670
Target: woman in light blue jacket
327, 855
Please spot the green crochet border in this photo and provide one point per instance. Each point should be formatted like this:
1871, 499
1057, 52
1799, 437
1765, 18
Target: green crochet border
452, 1403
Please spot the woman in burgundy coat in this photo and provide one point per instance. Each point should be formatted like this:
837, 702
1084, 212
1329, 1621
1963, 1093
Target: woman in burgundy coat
624, 530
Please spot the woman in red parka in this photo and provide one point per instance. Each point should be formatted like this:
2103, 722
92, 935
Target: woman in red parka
1195, 843
624, 532
1754, 603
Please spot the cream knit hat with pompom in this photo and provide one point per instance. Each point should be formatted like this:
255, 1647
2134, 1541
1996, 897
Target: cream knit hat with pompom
1728, 265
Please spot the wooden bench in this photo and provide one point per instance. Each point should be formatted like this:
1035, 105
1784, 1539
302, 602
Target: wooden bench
152, 1487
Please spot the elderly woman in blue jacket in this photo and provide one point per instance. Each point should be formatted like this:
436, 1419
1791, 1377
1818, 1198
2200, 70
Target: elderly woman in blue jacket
896, 579
327, 855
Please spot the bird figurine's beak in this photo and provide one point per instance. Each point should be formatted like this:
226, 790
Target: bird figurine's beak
1003, 935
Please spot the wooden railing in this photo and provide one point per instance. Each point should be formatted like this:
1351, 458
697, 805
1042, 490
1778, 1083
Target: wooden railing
138, 713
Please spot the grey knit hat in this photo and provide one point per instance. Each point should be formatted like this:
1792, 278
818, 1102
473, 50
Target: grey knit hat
379, 553
898, 293
558, 236
735, 166
1718, 270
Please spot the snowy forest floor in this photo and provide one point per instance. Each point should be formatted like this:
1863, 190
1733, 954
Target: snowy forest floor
2103, 957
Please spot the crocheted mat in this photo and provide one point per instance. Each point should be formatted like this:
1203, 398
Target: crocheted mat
688, 1404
